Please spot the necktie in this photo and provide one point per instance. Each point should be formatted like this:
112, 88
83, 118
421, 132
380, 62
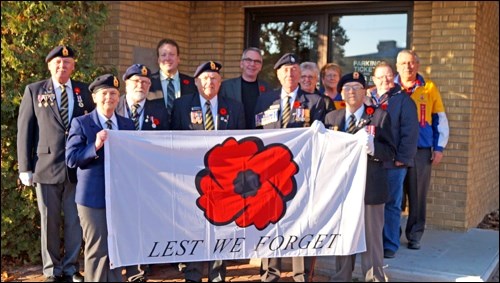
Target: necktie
170, 94
285, 117
109, 124
135, 116
209, 119
64, 106
352, 124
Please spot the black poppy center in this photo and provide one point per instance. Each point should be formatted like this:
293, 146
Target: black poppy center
247, 183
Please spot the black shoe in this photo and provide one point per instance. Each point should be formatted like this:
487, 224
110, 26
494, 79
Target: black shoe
389, 254
77, 277
414, 245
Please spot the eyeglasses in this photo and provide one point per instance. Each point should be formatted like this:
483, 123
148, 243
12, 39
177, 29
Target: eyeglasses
349, 88
140, 82
249, 61
389, 77
307, 77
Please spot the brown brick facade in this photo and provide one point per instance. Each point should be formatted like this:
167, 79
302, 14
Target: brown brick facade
458, 47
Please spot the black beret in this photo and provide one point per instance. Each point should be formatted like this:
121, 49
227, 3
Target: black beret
60, 51
137, 69
209, 66
104, 81
287, 59
352, 77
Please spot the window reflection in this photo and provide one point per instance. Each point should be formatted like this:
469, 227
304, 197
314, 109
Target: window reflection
278, 38
359, 42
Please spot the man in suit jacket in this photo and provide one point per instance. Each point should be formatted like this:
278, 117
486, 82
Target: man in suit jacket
380, 148
43, 124
288, 107
247, 87
168, 53
85, 151
147, 114
207, 111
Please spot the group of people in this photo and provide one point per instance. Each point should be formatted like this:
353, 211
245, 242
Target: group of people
63, 124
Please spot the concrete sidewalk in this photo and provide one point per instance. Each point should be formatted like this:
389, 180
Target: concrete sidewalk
445, 256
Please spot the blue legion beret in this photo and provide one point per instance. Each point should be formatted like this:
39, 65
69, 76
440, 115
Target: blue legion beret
104, 81
137, 69
209, 66
287, 59
60, 51
351, 77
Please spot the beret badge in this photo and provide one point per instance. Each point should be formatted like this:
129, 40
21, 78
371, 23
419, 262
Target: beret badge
213, 66
115, 82
65, 51
355, 75
144, 71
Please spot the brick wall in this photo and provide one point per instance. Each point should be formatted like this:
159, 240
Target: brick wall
457, 43
483, 142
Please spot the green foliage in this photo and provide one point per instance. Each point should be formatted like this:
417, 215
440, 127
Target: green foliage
30, 29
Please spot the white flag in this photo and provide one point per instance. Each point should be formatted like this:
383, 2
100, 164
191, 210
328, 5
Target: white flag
181, 196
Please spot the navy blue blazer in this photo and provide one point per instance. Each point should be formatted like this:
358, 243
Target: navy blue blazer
152, 109
377, 184
181, 113
41, 135
314, 102
81, 154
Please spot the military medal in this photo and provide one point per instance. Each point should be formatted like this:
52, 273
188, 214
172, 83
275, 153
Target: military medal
52, 98
78, 97
153, 125
147, 119
196, 115
40, 100
307, 117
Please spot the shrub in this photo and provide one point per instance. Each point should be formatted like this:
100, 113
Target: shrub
30, 29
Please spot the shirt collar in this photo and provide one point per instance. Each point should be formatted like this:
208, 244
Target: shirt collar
57, 85
103, 119
358, 113
293, 94
164, 77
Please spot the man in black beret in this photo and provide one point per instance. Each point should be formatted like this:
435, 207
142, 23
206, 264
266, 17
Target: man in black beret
85, 151
380, 148
146, 114
45, 115
288, 107
206, 110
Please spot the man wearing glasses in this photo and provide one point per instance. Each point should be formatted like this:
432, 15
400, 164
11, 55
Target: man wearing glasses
247, 88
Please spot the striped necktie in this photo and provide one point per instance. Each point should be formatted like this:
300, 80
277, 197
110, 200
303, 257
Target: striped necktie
64, 106
109, 124
209, 119
352, 124
135, 116
285, 117
170, 94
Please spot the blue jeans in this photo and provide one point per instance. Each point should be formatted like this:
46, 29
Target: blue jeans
392, 211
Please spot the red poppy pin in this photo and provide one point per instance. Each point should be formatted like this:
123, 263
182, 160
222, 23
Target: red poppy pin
77, 90
296, 104
384, 106
369, 110
246, 183
185, 82
342, 104
223, 111
262, 88
156, 121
